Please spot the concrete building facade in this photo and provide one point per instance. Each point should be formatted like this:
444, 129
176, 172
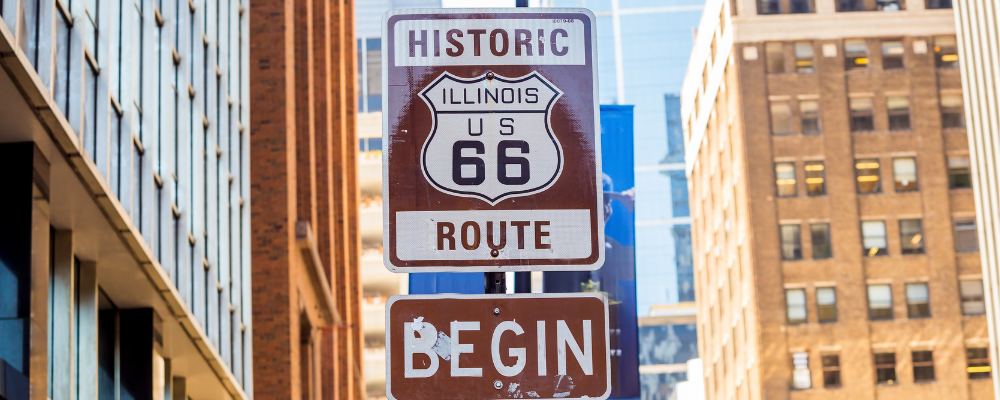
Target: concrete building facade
306, 284
833, 216
125, 239
978, 46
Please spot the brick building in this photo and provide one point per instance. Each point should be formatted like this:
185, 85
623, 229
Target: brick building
833, 222
304, 214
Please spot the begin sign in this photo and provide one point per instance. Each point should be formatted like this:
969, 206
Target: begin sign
492, 150
544, 346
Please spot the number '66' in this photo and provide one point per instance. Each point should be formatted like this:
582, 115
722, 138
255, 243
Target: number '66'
503, 160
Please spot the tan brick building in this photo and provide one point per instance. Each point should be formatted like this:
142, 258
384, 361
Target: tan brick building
833, 217
306, 294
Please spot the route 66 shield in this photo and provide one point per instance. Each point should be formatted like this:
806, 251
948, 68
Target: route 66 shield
491, 136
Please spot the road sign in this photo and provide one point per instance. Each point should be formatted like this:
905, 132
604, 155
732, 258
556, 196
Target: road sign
543, 346
492, 151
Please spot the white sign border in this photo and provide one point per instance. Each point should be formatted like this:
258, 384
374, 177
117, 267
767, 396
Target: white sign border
519, 296
598, 181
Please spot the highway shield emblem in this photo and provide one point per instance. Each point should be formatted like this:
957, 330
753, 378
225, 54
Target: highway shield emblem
491, 136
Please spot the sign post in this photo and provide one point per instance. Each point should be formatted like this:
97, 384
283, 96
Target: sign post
492, 163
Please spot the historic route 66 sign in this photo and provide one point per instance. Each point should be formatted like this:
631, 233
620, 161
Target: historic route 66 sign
492, 150
491, 137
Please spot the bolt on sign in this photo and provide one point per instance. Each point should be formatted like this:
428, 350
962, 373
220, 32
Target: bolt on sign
493, 157
542, 346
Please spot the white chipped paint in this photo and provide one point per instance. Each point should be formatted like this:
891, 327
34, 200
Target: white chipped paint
443, 346
418, 323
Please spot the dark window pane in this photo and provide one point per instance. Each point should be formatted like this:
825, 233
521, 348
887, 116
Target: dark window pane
850, 5
979, 362
885, 368
820, 235
937, 4
923, 366
831, 370
766, 7
801, 6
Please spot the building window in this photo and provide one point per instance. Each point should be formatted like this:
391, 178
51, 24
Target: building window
809, 111
879, 302
904, 173
815, 178
979, 362
850, 5
784, 173
873, 238
892, 54
959, 174
938, 4
966, 237
781, 118
831, 370
855, 52
801, 378
946, 51
911, 236
820, 235
923, 366
862, 114
973, 301
918, 301
804, 57
868, 172
801, 6
899, 113
791, 242
768, 7
796, 301
826, 304
952, 111
775, 54
885, 368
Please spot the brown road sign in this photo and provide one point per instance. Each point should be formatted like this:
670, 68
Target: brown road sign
543, 346
492, 156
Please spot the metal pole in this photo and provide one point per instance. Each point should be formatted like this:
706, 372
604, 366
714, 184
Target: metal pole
522, 280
